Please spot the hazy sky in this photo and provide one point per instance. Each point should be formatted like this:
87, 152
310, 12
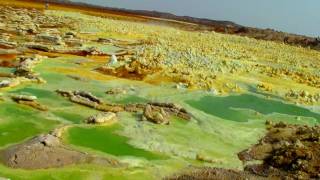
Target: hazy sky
296, 16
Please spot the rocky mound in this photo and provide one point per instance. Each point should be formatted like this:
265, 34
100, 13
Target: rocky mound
287, 150
159, 113
159, 116
46, 151
25, 68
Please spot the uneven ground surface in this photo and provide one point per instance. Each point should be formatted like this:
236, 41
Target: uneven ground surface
199, 24
128, 99
214, 174
286, 152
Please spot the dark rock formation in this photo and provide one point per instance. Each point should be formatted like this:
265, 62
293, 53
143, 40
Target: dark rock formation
88, 96
24, 69
38, 47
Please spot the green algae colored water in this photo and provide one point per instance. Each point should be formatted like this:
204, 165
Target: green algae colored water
69, 116
6, 70
19, 122
226, 107
132, 99
40, 93
106, 140
17, 131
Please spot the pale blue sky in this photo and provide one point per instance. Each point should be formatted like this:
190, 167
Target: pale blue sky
296, 16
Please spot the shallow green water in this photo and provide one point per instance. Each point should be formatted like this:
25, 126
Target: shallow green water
106, 140
40, 93
132, 99
224, 107
6, 70
70, 116
19, 122
107, 48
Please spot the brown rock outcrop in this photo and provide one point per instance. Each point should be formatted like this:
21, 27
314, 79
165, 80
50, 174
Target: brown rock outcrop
87, 99
291, 151
172, 109
29, 101
158, 113
102, 118
155, 115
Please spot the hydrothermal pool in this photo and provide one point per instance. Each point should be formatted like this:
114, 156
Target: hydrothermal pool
227, 107
106, 140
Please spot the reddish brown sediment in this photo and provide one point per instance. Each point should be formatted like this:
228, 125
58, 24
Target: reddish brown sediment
8, 63
8, 56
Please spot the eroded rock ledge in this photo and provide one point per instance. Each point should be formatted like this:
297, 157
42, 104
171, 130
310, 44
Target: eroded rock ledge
155, 112
29, 101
